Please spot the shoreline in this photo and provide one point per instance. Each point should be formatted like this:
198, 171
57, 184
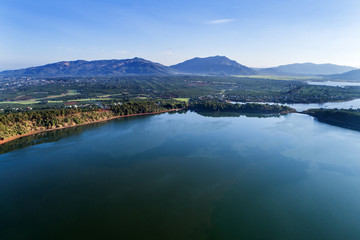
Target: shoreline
82, 124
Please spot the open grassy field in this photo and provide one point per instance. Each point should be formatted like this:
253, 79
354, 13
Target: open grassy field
86, 99
52, 101
182, 99
25, 102
68, 93
111, 95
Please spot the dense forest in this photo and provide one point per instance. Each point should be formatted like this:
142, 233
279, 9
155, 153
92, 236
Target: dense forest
14, 124
348, 118
212, 106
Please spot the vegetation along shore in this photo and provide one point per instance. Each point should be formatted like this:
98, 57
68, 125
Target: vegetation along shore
20, 124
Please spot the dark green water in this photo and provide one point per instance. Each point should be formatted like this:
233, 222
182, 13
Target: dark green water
184, 176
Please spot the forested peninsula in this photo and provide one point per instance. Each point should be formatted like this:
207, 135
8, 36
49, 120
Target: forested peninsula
19, 124
347, 118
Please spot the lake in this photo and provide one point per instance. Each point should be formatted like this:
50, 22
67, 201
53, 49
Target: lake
334, 83
184, 176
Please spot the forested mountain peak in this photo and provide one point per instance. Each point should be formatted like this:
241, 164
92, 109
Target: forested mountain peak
216, 65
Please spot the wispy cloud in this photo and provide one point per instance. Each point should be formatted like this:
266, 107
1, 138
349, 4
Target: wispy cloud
221, 21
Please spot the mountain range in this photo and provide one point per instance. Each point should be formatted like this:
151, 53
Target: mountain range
213, 66
135, 66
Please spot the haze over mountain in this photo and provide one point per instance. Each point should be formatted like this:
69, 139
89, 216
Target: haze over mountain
353, 75
135, 66
307, 69
272, 72
217, 65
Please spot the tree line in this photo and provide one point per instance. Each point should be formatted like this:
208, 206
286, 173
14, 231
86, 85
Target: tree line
12, 124
348, 118
241, 108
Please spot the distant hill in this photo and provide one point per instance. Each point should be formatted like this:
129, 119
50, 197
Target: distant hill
271, 72
353, 75
135, 66
217, 65
307, 69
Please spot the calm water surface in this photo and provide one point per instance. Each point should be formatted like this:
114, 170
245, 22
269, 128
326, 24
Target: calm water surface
184, 176
334, 83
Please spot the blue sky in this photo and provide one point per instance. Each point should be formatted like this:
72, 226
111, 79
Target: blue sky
256, 33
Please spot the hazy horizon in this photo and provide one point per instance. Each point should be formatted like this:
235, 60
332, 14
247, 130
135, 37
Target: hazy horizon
254, 33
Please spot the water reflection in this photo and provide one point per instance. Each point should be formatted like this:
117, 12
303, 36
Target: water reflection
235, 114
56, 135
44, 137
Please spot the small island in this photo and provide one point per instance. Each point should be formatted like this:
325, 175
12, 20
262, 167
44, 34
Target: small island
218, 106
